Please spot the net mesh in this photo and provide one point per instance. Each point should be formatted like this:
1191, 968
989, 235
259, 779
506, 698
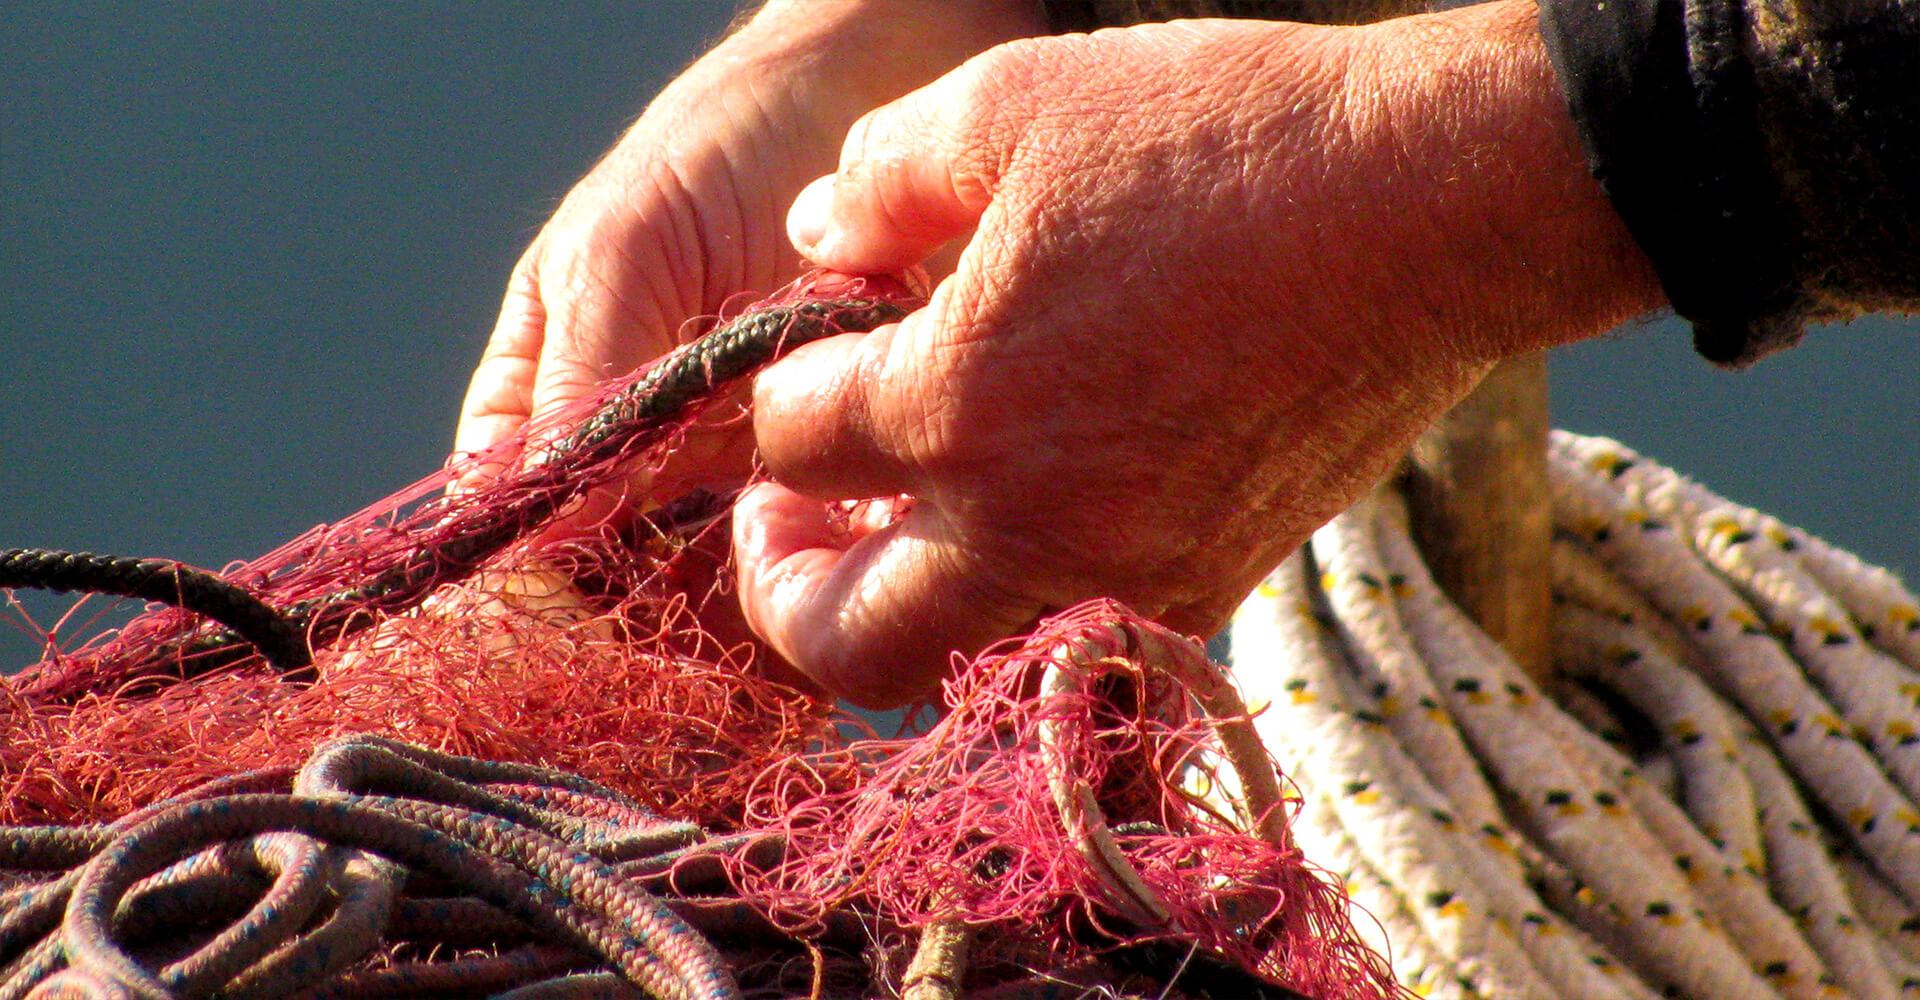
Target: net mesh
555, 612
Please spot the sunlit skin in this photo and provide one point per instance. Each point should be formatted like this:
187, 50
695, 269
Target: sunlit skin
1216, 276
685, 212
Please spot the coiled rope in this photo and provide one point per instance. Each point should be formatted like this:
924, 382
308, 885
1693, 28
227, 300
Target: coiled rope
1716, 799
314, 870
289, 882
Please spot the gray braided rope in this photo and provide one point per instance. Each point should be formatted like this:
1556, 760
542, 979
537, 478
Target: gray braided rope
336, 853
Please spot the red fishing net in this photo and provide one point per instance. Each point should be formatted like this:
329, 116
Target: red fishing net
1070, 805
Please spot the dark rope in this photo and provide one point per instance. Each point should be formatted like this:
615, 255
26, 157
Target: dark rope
639, 416
162, 580
1196, 972
307, 887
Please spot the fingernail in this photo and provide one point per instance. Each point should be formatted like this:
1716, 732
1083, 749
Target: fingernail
807, 220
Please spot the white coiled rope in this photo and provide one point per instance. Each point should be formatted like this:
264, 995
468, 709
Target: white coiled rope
1716, 799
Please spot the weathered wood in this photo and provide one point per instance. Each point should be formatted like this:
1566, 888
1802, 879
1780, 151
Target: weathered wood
1477, 486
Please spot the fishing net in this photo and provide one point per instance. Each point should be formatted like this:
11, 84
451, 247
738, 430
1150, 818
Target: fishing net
523, 618
512, 738
505, 732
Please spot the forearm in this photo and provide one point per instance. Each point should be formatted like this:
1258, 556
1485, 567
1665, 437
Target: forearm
1488, 151
1761, 155
1463, 214
1466, 176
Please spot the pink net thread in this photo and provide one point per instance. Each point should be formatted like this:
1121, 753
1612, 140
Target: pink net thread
960, 823
613, 648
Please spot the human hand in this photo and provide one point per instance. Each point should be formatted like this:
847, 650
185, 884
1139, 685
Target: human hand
1224, 273
687, 209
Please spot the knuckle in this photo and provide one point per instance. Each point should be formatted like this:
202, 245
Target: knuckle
990, 90
825, 655
860, 143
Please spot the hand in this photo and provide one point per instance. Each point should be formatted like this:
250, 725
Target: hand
1224, 273
687, 208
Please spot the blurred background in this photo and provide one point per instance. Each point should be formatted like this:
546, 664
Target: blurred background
248, 256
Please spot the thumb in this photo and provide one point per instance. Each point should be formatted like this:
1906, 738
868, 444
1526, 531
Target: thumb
914, 174
871, 610
499, 396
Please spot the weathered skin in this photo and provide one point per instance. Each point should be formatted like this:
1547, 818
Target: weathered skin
1223, 273
685, 211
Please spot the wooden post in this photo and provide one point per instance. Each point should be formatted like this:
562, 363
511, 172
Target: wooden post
1478, 481
1477, 487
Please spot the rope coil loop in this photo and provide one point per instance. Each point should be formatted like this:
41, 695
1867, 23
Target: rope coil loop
1136, 647
329, 850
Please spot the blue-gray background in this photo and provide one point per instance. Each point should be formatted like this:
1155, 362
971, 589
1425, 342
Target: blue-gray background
249, 253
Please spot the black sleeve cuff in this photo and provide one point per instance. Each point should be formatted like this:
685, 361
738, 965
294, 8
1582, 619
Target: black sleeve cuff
1665, 104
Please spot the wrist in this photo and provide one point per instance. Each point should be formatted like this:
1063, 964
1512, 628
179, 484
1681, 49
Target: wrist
859, 54
1495, 170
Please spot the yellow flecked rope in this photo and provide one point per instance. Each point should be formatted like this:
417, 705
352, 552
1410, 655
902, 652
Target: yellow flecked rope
1715, 798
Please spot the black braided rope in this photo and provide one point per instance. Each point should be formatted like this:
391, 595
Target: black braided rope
730, 351
1197, 972
278, 639
637, 417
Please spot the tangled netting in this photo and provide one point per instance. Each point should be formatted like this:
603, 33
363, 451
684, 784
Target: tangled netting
377, 868
1715, 798
512, 738
527, 618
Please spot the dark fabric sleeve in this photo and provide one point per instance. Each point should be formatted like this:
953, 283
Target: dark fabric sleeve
1086, 15
1765, 155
